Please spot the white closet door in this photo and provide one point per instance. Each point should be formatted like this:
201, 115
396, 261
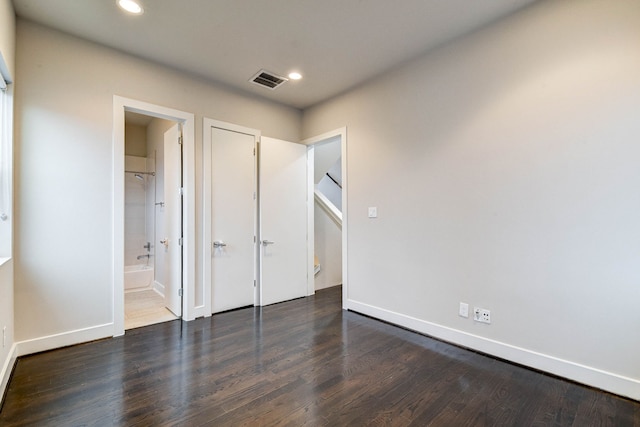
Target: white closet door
283, 220
233, 221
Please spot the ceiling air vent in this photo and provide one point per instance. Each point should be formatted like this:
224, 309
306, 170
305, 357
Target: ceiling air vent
266, 79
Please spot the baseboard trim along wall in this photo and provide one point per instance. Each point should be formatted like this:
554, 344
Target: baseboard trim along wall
593, 377
159, 288
7, 368
36, 345
64, 339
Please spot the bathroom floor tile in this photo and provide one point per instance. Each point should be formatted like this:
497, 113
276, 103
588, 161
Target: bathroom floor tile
142, 308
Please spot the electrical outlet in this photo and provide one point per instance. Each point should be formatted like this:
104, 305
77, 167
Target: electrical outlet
481, 315
464, 309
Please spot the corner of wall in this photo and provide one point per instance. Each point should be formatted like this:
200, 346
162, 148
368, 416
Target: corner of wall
7, 370
7, 344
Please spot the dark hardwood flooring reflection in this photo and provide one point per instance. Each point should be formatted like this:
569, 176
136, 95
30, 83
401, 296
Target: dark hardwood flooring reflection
295, 363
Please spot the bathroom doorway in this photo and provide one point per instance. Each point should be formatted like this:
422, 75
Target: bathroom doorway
147, 219
176, 176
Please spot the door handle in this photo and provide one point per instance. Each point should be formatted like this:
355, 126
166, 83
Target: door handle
219, 244
267, 242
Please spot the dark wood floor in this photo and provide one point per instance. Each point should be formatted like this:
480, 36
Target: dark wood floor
299, 362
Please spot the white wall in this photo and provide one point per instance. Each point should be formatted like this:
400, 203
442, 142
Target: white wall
7, 47
135, 211
325, 155
136, 194
64, 164
135, 140
328, 249
505, 171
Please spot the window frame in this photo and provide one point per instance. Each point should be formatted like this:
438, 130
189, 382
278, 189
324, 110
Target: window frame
6, 163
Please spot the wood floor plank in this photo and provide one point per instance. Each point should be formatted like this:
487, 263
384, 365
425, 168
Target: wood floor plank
302, 362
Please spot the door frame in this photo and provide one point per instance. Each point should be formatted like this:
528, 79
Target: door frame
121, 104
207, 124
310, 142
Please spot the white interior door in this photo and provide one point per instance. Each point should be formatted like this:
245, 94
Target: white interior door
232, 219
170, 241
283, 220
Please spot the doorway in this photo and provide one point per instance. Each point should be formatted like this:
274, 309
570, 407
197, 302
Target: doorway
327, 217
152, 220
165, 182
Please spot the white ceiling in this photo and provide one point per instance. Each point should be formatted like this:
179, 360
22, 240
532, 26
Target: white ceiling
335, 44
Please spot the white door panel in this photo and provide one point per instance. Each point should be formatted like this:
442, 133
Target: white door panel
172, 221
283, 220
232, 219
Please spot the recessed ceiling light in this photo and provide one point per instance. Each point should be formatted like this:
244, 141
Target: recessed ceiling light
131, 6
295, 76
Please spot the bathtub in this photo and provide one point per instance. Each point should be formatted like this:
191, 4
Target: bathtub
138, 277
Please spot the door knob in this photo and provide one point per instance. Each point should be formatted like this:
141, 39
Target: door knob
267, 242
219, 244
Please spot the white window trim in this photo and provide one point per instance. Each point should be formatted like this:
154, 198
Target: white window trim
6, 161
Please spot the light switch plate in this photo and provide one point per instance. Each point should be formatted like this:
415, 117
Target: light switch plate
373, 212
464, 309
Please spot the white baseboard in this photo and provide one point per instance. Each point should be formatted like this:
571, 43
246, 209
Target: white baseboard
7, 368
614, 383
64, 339
197, 311
36, 345
159, 288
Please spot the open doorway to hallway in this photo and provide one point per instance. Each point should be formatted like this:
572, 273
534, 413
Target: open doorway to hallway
328, 162
327, 213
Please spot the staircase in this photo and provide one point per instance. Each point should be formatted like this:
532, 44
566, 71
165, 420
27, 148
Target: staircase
328, 196
328, 192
